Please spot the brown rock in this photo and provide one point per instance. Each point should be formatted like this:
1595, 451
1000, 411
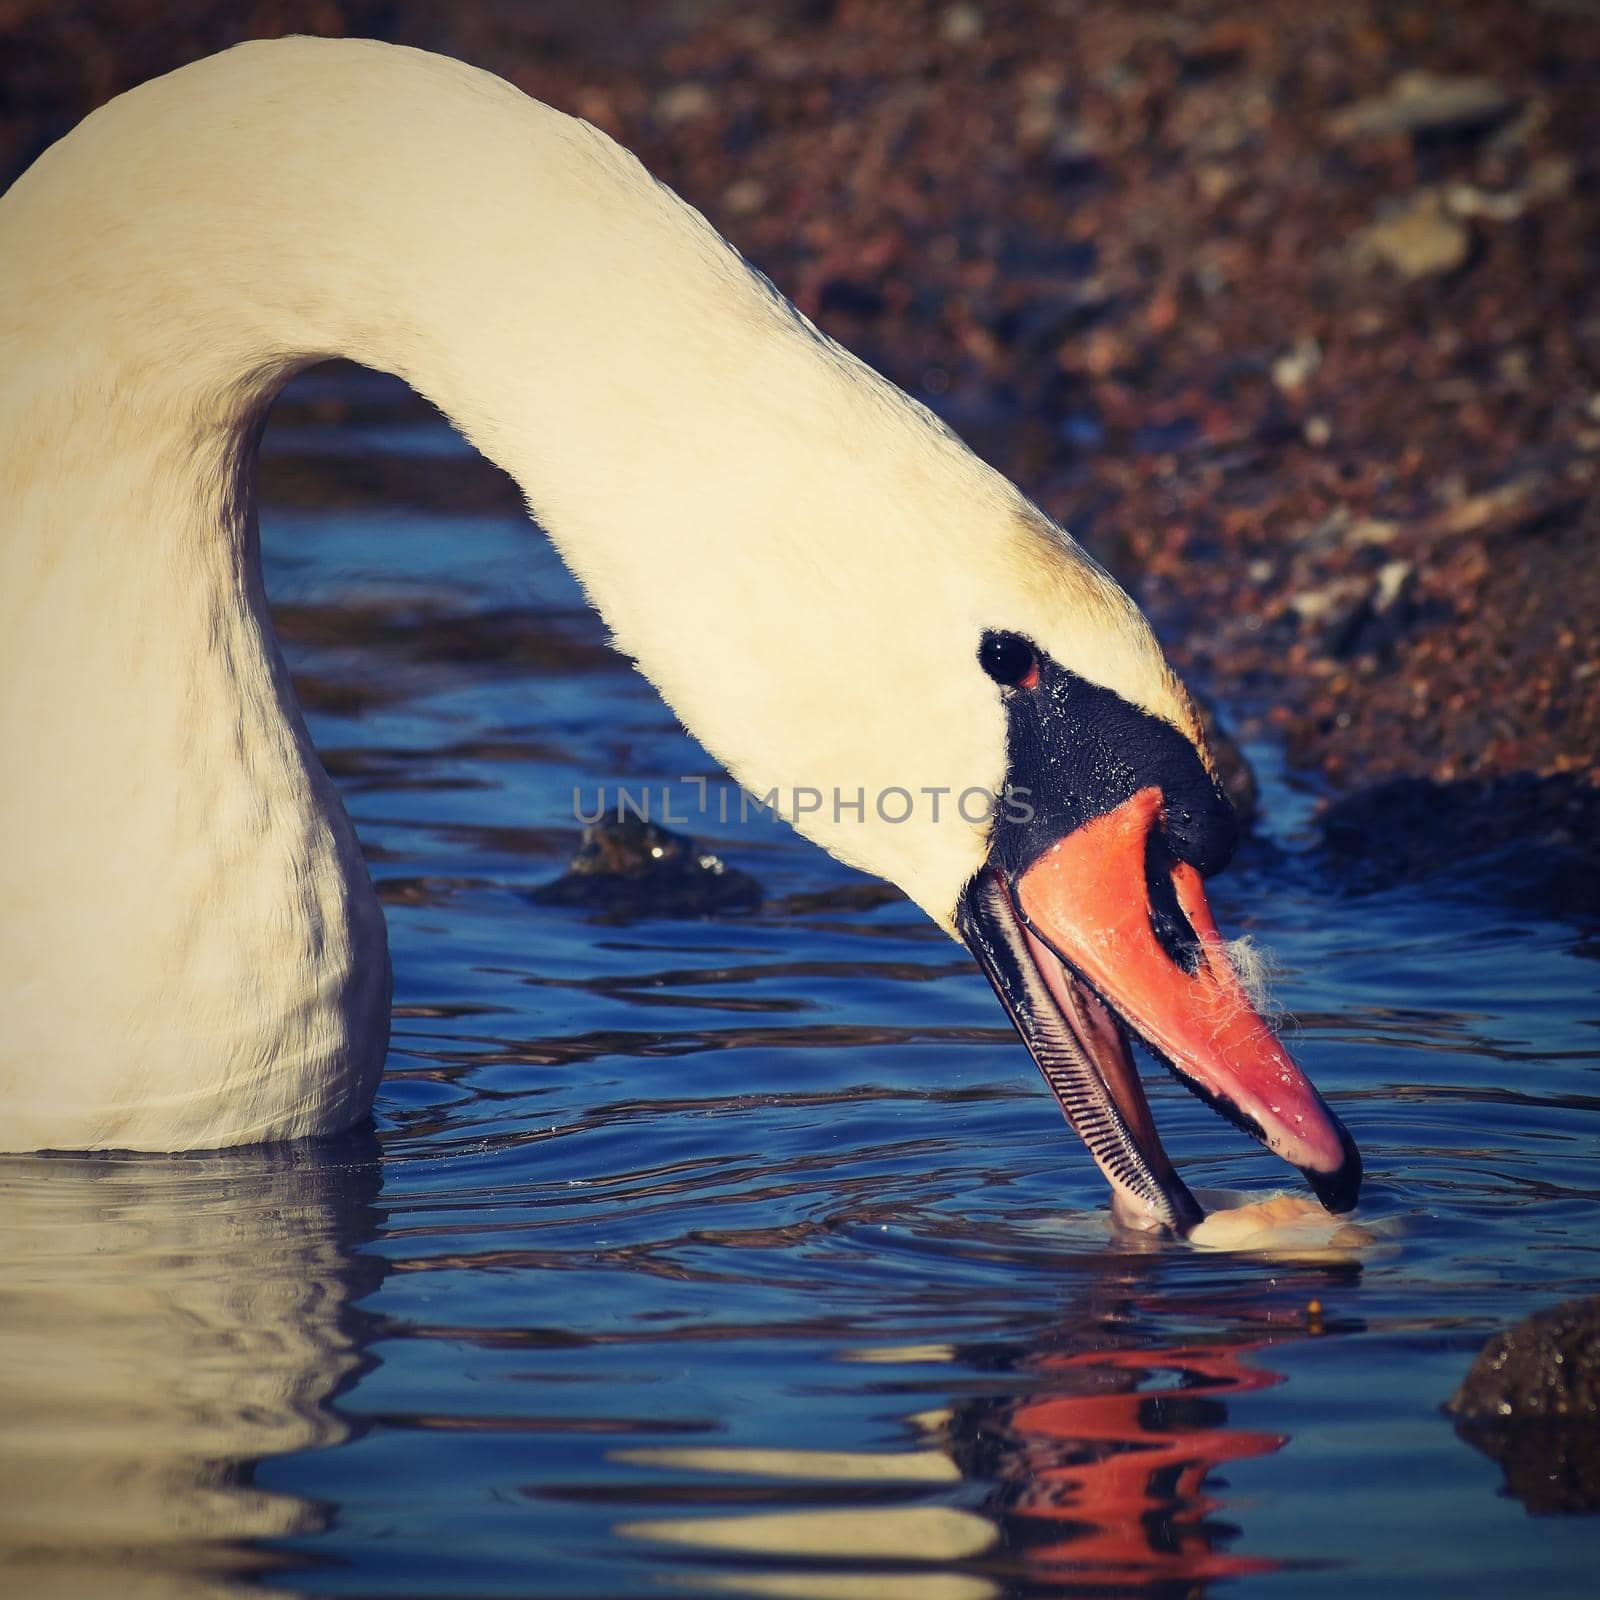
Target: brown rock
1419, 240
1531, 1401
1423, 103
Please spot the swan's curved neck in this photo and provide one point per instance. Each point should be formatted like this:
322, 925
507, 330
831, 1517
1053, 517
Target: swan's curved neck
793, 551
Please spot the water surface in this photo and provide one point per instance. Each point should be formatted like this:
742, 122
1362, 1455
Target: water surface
751, 1255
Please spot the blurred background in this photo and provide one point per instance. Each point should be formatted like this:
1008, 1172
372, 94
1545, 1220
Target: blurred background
1292, 313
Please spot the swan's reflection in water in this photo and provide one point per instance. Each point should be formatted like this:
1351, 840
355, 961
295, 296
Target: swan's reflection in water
168, 1324
1109, 1470
1096, 1473
165, 1323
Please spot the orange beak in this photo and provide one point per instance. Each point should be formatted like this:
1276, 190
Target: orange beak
1110, 922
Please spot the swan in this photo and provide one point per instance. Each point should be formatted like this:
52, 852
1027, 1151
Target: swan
829, 589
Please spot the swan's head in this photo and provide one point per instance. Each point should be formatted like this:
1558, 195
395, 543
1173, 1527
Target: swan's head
1089, 917
1086, 908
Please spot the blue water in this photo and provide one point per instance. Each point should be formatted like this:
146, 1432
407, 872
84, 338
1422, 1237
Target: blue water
751, 1255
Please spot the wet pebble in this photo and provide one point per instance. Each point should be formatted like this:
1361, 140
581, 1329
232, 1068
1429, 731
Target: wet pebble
627, 868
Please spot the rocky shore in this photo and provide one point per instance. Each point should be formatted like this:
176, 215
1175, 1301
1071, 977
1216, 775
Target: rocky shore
1291, 313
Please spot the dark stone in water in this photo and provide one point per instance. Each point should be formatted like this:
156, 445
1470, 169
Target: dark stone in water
631, 868
1531, 1401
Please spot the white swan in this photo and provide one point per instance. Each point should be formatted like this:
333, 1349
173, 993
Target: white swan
825, 584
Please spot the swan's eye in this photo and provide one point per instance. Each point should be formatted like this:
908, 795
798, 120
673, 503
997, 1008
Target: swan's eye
1008, 658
